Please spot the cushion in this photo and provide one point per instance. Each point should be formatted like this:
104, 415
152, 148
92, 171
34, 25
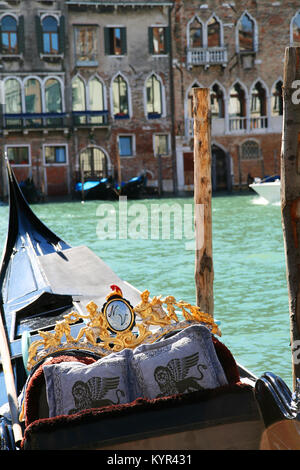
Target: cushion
184, 363
73, 387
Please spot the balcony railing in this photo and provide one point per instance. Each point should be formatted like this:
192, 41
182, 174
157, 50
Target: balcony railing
236, 125
90, 118
207, 56
257, 123
15, 121
33, 120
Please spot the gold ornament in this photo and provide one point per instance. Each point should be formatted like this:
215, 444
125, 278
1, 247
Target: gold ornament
147, 322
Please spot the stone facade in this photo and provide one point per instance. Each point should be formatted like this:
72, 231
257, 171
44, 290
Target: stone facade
109, 109
103, 87
219, 45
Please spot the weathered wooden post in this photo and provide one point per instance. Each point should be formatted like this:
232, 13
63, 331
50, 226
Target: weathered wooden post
290, 194
204, 273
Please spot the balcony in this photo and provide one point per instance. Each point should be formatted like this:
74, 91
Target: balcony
23, 121
237, 125
90, 118
248, 125
207, 56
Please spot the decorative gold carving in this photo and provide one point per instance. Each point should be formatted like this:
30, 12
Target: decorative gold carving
152, 322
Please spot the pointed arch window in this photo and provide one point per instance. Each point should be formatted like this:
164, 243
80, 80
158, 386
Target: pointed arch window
217, 102
53, 101
246, 34
13, 102
96, 100
154, 97
50, 35
120, 98
33, 100
213, 33
295, 30
78, 100
237, 108
258, 109
9, 35
196, 33
277, 100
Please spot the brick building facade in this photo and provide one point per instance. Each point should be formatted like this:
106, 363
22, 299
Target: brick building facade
237, 50
88, 84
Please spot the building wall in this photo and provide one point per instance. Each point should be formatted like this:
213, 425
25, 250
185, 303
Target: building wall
135, 65
272, 20
272, 33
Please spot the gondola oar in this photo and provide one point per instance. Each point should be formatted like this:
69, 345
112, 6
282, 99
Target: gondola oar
10, 384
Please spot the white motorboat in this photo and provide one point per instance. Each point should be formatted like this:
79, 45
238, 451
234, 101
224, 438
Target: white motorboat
268, 189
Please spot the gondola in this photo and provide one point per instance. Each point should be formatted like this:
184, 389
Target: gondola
109, 189
67, 316
93, 190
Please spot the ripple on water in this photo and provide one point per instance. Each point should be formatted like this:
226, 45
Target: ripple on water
250, 292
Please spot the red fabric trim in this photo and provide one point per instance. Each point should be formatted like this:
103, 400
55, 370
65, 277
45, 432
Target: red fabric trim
139, 405
37, 380
227, 361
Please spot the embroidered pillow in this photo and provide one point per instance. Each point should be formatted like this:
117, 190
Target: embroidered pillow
184, 363
73, 387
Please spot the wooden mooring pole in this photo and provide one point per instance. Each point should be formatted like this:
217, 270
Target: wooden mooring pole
290, 195
204, 273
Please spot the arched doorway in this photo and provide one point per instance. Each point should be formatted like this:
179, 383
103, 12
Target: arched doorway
93, 162
220, 169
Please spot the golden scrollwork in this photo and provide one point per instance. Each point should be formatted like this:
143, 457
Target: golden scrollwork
153, 318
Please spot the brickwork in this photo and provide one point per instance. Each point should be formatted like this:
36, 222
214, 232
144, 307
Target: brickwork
218, 62
272, 22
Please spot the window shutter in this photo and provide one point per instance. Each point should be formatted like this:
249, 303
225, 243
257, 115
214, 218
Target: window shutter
150, 39
21, 36
62, 35
167, 36
39, 34
106, 41
123, 41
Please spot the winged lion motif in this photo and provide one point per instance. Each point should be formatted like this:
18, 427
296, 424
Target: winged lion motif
91, 394
173, 378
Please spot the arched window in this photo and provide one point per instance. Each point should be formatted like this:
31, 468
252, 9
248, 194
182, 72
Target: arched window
13, 101
295, 39
120, 98
246, 33
96, 99
250, 150
195, 34
9, 35
217, 102
78, 100
50, 35
33, 100
276, 100
258, 109
154, 97
93, 162
237, 108
213, 33
53, 100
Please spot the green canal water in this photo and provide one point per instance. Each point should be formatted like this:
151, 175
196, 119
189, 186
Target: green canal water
250, 290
